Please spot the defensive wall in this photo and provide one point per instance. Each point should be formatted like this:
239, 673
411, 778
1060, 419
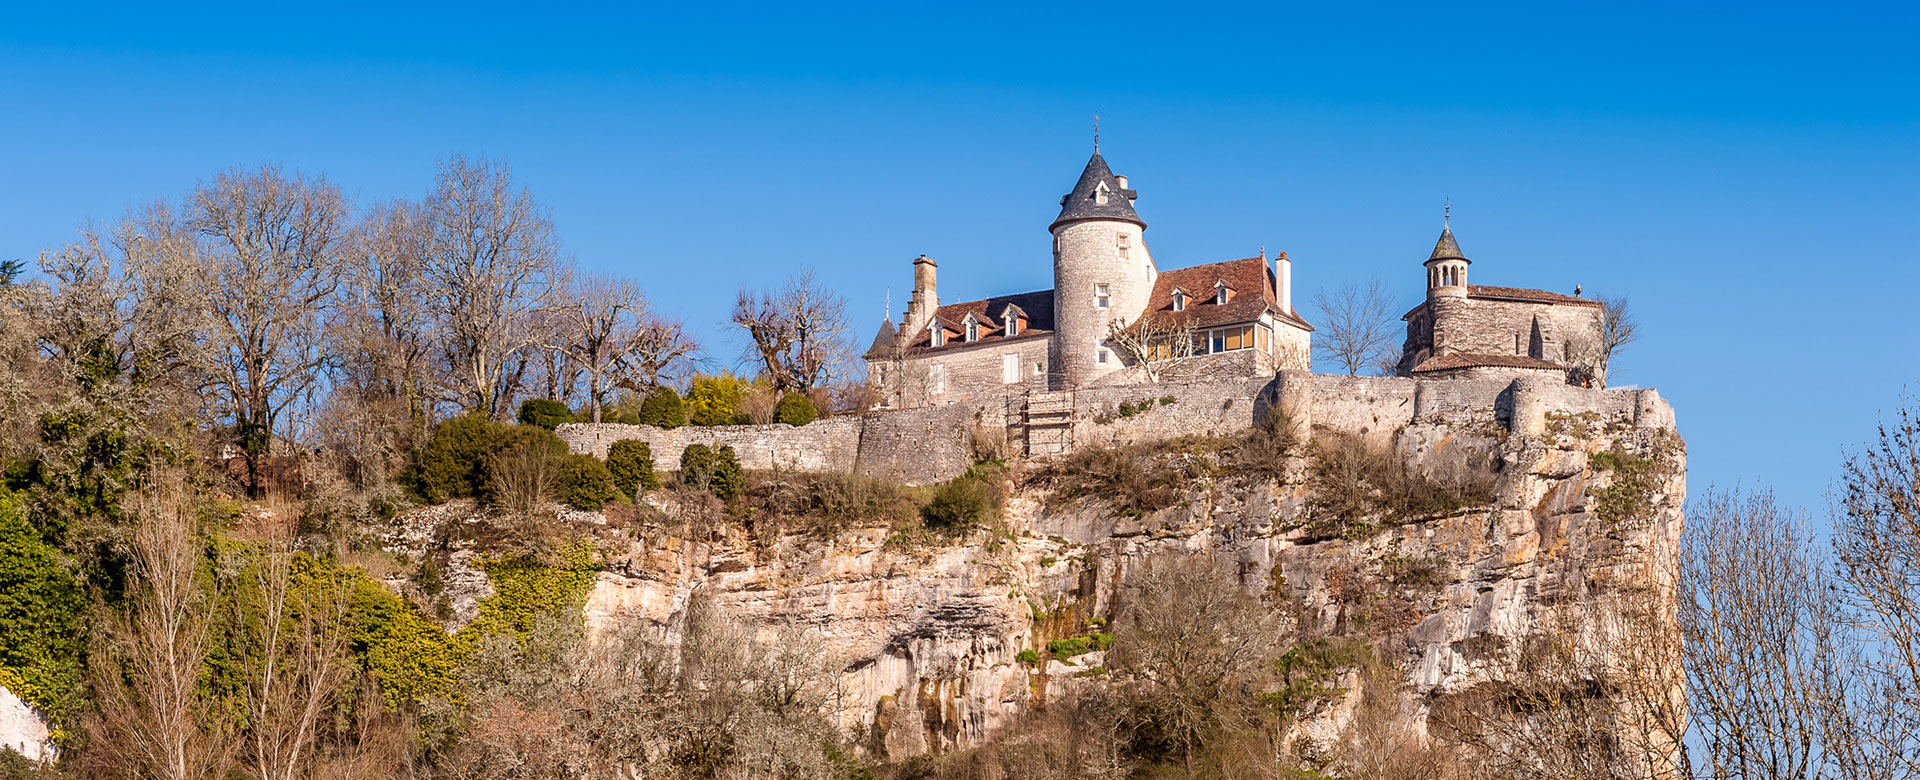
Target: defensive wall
933, 444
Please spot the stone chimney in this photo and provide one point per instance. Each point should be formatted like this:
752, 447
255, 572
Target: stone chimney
1121, 179
1283, 282
925, 299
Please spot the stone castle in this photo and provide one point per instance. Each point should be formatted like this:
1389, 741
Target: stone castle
1114, 318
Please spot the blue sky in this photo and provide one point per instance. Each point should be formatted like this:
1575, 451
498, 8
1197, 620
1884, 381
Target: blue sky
1745, 173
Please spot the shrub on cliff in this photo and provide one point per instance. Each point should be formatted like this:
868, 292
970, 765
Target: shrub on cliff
961, 505
461, 458
717, 471
714, 399
585, 483
545, 413
631, 463
795, 409
663, 408
41, 611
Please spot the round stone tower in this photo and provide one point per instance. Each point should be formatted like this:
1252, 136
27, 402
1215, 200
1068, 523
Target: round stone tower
1102, 274
1446, 289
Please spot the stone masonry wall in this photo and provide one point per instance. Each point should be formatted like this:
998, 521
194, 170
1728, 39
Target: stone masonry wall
1506, 328
832, 444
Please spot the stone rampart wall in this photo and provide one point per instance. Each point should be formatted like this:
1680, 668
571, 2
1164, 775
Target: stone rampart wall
932, 444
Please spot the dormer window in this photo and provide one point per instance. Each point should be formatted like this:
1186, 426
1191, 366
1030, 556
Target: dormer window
1012, 324
1100, 194
1221, 293
939, 335
1179, 300
973, 328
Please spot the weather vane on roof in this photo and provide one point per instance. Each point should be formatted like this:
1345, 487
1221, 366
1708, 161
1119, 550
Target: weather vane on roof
1096, 133
1447, 219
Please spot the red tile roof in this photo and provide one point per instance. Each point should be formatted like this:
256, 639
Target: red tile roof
1525, 294
1250, 279
1471, 360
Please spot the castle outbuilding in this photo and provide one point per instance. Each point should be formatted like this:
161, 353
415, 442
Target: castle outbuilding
1112, 317
1474, 331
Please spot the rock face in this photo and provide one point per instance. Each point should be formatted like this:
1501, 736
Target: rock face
929, 637
24, 730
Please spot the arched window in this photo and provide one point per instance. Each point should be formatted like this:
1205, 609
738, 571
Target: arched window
973, 329
1179, 301
1220, 293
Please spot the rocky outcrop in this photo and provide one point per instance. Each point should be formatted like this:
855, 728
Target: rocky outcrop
929, 637
24, 729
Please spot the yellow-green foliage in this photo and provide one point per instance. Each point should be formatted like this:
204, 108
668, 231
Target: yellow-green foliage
524, 589
415, 660
412, 658
714, 399
41, 634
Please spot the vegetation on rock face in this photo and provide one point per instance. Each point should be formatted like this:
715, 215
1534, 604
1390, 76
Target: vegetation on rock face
462, 459
585, 483
1357, 485
716, 471
631, 463
41, 615
961, 505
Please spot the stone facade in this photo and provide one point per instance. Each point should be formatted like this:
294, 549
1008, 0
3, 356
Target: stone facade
1104, 278
1470, 331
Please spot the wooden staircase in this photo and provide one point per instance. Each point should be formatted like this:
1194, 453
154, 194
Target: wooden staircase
1047, 420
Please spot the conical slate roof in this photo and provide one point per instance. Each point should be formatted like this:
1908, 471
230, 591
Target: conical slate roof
1097, 195
1446, 248
884, 340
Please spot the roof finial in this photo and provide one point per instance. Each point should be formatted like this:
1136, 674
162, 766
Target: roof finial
889, 316
1446, 222
1096, 133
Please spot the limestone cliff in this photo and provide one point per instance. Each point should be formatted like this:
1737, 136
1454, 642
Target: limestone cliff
929, 635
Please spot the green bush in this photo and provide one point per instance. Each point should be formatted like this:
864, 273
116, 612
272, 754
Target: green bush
545, 413
585, 483
631, 462
717, 471
795, 409
714, 399
1027, 657
41, 608
663, 408
1079, 645
960, 505
457, 460
453, 464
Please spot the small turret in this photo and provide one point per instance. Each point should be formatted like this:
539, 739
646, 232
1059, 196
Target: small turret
1447, 267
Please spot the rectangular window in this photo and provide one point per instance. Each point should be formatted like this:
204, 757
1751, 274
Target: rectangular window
937, 378
1102, 358
1100, 296
1217, 341
1124, 242
1263, 339
1237, 339
1009, 368
1200, 343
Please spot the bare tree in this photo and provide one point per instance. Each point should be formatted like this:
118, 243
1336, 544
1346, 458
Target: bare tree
1356, 326
660, 350
263, 271
291, 652
1192, 647
157, 720
1154, 344
1876, 524
1618, 329
384, 333
798, 334
602, 323
490, 257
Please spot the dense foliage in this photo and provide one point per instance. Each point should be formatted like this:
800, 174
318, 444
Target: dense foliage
795, 409
630, 461
586, 483
714, 470
662, 408
714, 399
544, 413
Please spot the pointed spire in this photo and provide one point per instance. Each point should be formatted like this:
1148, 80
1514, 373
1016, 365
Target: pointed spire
1446, 248
1098, 195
